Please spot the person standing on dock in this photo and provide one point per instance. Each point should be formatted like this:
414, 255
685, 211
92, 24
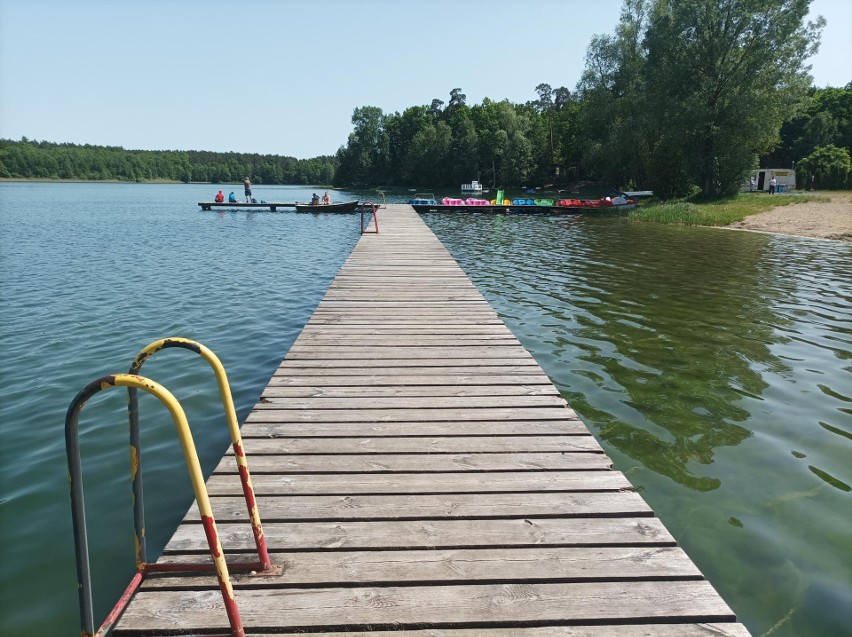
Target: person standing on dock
247, 186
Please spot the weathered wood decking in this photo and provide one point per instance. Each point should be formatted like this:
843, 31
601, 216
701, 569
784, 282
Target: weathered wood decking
418, 473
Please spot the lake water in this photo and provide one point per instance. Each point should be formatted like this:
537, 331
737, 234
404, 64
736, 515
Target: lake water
716, 369
714, 366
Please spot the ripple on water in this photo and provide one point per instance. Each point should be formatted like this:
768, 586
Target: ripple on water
93, 273
702, 359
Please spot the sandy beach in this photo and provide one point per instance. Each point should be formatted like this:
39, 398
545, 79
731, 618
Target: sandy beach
828, 220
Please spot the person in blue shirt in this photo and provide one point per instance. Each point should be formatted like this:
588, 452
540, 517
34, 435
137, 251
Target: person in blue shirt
232, 198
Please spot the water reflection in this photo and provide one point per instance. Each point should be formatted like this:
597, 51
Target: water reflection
651, 314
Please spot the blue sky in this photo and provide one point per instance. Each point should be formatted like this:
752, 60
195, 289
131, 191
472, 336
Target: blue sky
283, 77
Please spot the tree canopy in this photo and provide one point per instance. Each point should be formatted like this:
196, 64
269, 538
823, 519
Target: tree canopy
48, 160
683, 95
699, 88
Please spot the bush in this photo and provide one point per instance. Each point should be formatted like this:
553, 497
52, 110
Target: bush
828, 167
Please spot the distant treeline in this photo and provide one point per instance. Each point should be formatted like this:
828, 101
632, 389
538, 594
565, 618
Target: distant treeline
47, 160
682, 97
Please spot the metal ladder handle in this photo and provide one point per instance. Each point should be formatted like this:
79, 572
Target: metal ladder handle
78, 511
265, 564
375, 218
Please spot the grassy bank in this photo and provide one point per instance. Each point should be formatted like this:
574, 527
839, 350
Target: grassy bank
721, 212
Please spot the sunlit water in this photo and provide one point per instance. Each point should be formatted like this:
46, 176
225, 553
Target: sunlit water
714, 366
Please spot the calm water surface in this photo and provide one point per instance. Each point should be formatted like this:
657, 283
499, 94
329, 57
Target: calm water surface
91, 273
716, 369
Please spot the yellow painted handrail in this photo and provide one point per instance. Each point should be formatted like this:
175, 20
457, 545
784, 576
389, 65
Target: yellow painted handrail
233, 427
196, 476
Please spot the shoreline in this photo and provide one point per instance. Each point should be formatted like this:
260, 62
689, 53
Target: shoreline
830, 220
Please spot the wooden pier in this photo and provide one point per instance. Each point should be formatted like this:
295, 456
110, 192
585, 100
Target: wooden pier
418, 474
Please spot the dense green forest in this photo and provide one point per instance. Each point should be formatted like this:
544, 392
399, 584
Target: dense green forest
48, 160
683, 96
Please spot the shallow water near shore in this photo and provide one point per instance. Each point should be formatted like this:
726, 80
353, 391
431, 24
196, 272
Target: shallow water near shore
713, 366
716, 369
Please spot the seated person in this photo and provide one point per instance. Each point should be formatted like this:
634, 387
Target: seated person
315, 200
220, 197
325, 199
232, 198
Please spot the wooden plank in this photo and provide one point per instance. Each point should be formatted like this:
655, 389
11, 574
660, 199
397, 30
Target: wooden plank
417, 462
447, 368
410, 336
403, 284
644, 630
378, 297
418, 606
365, 352
383, 368
398, 321
431, 534
414, 415
430, 507
389, 329
375, 380
382, 484
471, 566
368, 390
272, 400
426, 445
265, 424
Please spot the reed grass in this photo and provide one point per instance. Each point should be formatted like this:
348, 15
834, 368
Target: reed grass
719, 212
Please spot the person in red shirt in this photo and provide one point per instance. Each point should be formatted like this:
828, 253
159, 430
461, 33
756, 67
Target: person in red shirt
220, 197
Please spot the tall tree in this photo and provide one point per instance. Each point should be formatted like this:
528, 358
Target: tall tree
363, 158
725, 74
616, 132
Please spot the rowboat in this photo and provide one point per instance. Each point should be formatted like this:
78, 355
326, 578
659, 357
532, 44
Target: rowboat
347, 206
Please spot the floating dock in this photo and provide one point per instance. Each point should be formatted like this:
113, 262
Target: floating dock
272, 206
419, 475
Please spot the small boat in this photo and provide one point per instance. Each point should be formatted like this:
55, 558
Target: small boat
473, 186
423, 199
346, 206
611, 202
